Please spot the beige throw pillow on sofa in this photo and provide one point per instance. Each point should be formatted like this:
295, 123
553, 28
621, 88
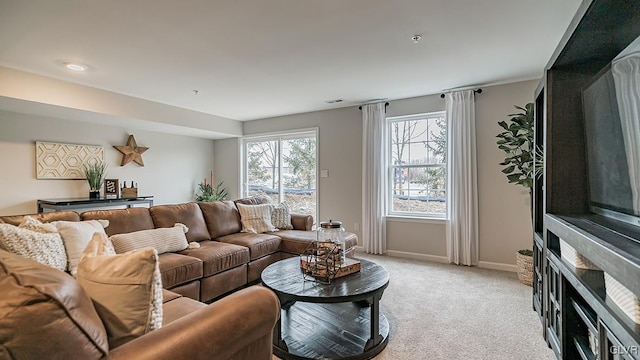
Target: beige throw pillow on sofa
76, 235
162, 239
256, 218
126, 289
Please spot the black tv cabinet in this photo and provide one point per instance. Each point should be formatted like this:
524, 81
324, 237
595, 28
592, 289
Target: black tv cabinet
579, 320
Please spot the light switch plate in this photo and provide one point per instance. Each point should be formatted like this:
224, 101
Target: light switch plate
324, 173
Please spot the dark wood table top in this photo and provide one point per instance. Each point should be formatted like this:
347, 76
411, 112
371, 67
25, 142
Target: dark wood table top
286, 280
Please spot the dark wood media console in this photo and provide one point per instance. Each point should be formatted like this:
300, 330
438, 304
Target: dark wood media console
579, 320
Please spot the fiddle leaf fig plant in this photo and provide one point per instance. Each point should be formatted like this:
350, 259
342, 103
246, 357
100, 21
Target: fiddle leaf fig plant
517, 142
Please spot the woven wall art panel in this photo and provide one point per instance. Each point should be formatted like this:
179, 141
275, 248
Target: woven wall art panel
64, 161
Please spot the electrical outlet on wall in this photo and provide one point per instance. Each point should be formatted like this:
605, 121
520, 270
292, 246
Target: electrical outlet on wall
356, 226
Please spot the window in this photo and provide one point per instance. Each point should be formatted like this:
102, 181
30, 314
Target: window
282, 167
417, 165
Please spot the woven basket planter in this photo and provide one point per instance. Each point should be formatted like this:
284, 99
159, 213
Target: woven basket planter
525, 268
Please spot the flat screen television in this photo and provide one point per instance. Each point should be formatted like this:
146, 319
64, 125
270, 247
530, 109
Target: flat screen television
611, 107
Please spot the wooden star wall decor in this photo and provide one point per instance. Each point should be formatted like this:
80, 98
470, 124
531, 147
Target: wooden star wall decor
131, 152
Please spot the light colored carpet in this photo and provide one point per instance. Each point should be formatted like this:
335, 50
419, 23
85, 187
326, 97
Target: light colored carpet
441, 311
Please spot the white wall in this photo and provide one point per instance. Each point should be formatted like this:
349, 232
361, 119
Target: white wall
173, 165
505, 224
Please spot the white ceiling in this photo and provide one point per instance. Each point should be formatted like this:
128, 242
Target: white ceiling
257, 59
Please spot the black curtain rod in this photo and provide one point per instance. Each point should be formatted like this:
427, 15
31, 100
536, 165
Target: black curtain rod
477, 91
385, 106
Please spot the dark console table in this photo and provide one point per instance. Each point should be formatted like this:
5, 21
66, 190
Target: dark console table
84, 203
341, 320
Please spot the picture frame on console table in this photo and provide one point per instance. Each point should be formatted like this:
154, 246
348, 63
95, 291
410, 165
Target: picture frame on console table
111, 188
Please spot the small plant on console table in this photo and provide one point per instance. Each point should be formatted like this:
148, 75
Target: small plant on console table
209, 192
94, 172
517, 142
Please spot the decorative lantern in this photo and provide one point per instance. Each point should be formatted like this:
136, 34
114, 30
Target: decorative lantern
323, 259
332, 232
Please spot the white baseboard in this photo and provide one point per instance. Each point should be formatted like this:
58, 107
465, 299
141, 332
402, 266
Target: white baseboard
498, 266
443, 259
417, 256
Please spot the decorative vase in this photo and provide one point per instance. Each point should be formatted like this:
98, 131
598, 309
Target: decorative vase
94, 194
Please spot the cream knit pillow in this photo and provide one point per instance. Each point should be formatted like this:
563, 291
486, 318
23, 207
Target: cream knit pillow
125, 288
280, 216
256, 218
45, 248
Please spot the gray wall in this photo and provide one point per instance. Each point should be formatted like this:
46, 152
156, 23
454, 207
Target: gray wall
504, 214
173, 165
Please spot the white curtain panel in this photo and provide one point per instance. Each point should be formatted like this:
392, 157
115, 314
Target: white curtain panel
374, 151
462, 179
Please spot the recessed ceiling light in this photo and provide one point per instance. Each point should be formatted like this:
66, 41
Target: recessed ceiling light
75, 66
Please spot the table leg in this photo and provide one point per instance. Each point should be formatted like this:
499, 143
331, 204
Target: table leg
375, 337
277, 336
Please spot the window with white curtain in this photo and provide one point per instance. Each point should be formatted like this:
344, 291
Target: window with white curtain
416, 161
283, 167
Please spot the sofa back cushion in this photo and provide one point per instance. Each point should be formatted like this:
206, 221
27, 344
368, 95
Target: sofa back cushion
254, 200
165, 216
122, 220
42, 309
45, 217
222, 218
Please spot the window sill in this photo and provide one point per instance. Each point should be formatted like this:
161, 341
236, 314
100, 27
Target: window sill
416, 219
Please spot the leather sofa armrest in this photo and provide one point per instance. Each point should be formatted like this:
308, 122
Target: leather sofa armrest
219, 331
302, 222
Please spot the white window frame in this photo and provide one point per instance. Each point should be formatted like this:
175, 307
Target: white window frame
391, 167
279, 137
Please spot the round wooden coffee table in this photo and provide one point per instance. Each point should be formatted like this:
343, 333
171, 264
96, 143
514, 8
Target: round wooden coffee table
341, 320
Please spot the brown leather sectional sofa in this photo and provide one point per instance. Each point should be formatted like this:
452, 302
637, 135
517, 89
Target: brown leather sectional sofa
227, 258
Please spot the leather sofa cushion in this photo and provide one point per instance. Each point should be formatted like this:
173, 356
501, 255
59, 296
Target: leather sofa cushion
218, 256
45, 217
296, 241
168, 295
122, 220
254, 200
222, 218
302, 222
178, 307
42, 309
188, 214
259, 244
177, 269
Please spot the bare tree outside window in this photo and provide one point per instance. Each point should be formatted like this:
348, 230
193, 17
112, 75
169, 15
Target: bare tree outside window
418, 165
283, 168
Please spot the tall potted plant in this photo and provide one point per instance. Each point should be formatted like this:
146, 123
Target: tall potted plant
517, 142
209, 192
94, 172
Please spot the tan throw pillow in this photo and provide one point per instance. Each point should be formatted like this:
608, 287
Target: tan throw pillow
162, 239
45, 248
126, 289
256, 218
76, 235
280, 216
